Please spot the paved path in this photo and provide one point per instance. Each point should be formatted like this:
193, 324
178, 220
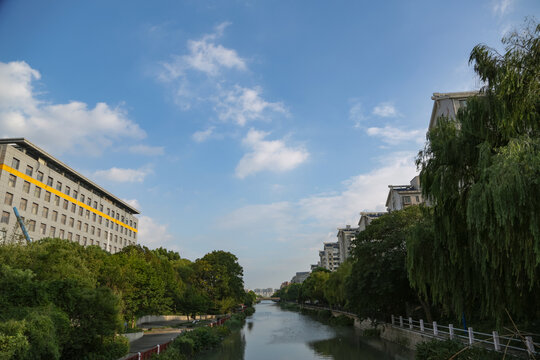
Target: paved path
148, 341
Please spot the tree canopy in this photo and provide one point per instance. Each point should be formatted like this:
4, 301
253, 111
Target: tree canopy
481, 171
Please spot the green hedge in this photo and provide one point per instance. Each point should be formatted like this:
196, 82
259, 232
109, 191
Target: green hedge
443, 350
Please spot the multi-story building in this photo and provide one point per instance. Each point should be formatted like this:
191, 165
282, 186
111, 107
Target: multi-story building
329, 256
401, 196
299, 277
56, 201
366, 218
345, 235
447, 104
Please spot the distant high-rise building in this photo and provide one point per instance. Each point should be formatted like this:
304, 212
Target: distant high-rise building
329, 256
345, 235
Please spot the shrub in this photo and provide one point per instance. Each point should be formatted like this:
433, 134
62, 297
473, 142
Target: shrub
372, 332
249, 311
184, 345
442, 350
342, 320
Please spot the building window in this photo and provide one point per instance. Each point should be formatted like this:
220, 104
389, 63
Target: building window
406, 199
61, 235
12, 180
29, 170
116, 227
73, 208
56, 200
58, 186
100, 207
75, 194
8, 200
66, 204
40, 176
37, 192
92, 230
82, 198
70, 236
52, 231
54, 216
63, 219
81, 210
23, 204
100, 219
134, 225
35, 208
85, 227
50, 182
94, 217
68, 190
106, 223
89, 201
418, 199
98, 232
78, 238
47, 196
87, 214
45, 212
71, 222
79, 224
112, 214
32, 225
42, 229
15, 163
95, 204
106, 234
5, 217
108, 211
26, 187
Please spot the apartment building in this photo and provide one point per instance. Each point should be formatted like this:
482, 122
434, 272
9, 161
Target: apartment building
366, 217
401, 196
345, 235
329, 256
448, 104
56, 201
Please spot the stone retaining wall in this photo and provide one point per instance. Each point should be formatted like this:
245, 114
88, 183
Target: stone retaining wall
133, 336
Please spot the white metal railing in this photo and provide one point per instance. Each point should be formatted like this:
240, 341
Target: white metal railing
516, 342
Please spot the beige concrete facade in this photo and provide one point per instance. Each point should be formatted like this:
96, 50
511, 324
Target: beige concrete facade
401, 196
56, 201
345, 235
448, 104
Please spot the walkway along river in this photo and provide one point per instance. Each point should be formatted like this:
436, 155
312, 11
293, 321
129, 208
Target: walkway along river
276, 334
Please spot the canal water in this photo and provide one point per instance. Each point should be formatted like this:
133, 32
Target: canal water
276, 334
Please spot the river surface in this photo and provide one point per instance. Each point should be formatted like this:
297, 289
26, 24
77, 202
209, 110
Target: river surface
276, 334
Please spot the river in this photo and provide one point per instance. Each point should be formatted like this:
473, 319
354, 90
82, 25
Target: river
276, 334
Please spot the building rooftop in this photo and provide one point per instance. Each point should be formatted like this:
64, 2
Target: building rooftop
37, 152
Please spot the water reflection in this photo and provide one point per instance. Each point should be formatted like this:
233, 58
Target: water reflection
288, 335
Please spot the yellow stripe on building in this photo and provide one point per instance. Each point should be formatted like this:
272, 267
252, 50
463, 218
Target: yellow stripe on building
62, 195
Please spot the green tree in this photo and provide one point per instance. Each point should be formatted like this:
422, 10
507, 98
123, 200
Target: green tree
335, 289
481, 172
378, 280
312, 288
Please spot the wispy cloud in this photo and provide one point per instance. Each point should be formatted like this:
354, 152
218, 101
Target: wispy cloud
59, 128
356, 113
392, 135
203, 135
385, 109
133, 202
241, 105
121, 175
147, 150
268, 155
502, 7
206, 56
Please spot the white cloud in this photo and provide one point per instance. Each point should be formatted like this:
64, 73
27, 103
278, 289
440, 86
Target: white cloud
502, 7
123, 175
57, 127
322, 213
203, 135
241, 105
385, 109
206, 56
392, 135
133, 202
147, 150
356, 113
268, 155
153, 234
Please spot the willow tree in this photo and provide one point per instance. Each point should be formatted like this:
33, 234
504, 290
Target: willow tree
481, 172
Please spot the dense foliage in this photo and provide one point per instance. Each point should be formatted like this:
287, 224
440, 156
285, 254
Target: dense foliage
481, 172
444, 350
60, 300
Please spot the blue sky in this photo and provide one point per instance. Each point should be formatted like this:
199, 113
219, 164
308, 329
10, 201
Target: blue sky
256, 127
